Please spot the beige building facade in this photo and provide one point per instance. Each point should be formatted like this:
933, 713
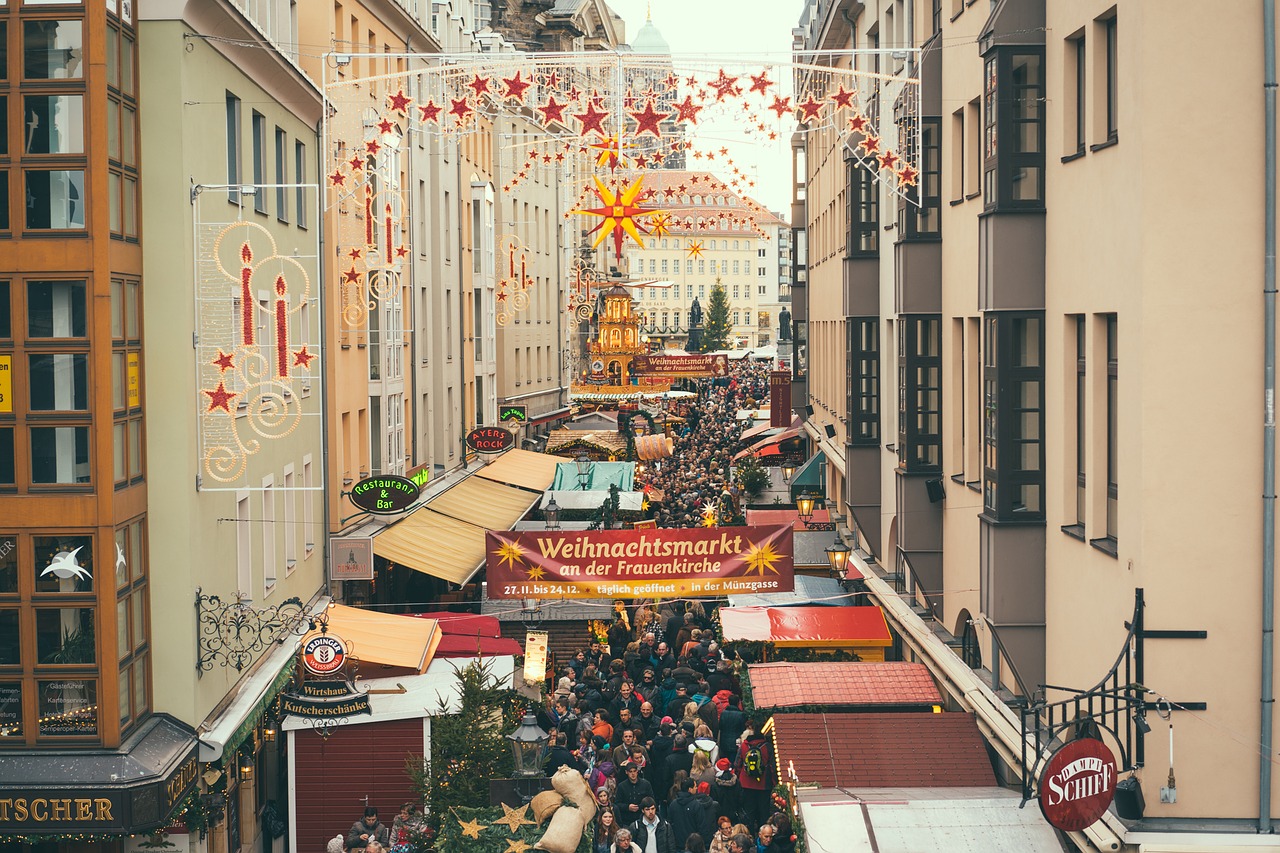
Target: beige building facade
1008, 369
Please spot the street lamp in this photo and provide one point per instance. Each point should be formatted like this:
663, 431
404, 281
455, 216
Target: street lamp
838, 558
530, 612
551, 512
527, 743
788, 471
584, 470
804, 507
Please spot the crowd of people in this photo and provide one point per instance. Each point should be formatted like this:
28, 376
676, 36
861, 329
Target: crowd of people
699, 469
653, 720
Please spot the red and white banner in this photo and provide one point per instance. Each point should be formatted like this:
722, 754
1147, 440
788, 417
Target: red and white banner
639, 563
688, 366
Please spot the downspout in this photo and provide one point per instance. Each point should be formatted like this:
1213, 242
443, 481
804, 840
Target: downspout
1269, 418
463, 297
322, 135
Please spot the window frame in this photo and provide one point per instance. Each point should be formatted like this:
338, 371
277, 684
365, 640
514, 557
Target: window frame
235, 148
1002, 158
863, 401
863, 212
919, 350
1003, 436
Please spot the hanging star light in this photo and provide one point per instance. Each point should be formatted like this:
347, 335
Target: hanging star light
695, 249
619, 214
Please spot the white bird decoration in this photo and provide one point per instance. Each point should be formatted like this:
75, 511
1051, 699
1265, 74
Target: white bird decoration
64, 566
120, 561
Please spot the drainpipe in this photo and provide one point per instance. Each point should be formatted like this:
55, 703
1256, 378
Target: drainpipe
1269, 418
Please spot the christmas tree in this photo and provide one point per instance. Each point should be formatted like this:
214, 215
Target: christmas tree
716, 335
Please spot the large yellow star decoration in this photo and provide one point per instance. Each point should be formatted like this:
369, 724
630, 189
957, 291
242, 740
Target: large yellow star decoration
761, 557
660, 225
514, 818
510, 553
695, 249
471, 828
619, 214
535, 573
516, 845
611, 152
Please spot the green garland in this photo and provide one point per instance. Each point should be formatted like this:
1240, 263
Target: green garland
789, 805
493, 837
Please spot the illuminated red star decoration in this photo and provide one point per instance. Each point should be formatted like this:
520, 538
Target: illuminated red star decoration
695, 249
430, 111
356, 162
459, 108
781, 106
857, 122
355, 253
618, 213
687, 110
641, 161
672, 80
809, 108
514, 87
724, 85
887, 159
373, 146
552, 111
843, 98
668, 192
220, 398
337, 178
351, 276
647, 120
402, 251
386, 125
907, 176
559, 157
591, 119
502, 296
479, 85
692, 81
610, 153
223, 361
759, 84
399, 101
302, 358
552, 80
870, 144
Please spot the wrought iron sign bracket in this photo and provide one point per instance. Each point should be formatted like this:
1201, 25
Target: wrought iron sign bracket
233, 633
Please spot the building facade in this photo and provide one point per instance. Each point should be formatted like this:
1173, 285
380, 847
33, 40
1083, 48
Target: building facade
988, 362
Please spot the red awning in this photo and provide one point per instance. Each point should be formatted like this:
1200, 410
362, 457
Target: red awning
800, 626
463, 646
465, 624
766, 517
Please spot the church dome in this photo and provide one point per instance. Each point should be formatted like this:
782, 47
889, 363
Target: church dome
649, 40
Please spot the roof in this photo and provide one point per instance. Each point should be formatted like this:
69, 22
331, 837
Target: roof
600, 476
884, 750
607, 441
760, 517
907, 820
788, 685
385, 638
826, 627
578, 499
809, 589
649, 40
522, 468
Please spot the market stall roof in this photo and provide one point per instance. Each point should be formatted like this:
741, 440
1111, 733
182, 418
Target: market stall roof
463, 646
522, 468
842, 683
609, 442
763, 413
774, 441
761, 517
810, 473
865, 749
385, 638
577, 499
767, 429
807, 626
600, 476
433, 544
906, 820
810, 590
491, 505
464, 624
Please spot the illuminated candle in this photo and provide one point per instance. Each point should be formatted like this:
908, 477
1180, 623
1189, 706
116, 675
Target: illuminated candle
282, 330
368, 216
388, 223
246, 296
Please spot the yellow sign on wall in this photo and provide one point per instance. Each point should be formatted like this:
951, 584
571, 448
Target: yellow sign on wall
6, 384
135, 381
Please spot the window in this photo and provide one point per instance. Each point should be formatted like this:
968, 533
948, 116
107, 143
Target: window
290, 521
54, 124
1111, 94
52, 50
973, 149
59, 455
1013, 423
864, 212
1074, 81
1113, 431
233, 149
55, 309
244, 546
920, 394
1014, 92
258, 127
864, 391
1082, 422
268, 535
282, 176
957, 155
299, 177
307, 485
55, 199
923, 218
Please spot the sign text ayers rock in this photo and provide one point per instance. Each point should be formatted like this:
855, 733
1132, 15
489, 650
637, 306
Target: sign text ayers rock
639, 563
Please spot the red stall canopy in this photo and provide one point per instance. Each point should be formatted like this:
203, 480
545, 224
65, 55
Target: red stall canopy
861, 629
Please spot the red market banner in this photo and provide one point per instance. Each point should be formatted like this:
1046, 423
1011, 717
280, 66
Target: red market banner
686, 366
662, 562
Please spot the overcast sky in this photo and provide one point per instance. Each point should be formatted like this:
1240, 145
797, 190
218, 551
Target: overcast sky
743, 30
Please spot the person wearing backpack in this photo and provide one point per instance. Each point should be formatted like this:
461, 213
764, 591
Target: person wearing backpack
756, 777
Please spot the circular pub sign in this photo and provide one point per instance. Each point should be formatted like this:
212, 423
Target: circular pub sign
324, 654
490, 439
386, 493
1077, 784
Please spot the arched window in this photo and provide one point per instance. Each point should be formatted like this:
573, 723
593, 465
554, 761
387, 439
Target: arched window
697, 199
735, 244
664, 243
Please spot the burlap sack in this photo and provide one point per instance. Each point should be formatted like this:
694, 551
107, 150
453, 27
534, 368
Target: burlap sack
564, 832
545, 804
575, 789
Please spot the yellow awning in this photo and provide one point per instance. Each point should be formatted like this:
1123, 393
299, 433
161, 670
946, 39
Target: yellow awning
434, 544
385, 638
485, 503
522, 468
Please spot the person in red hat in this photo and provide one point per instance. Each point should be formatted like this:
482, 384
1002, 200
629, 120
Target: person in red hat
726, 792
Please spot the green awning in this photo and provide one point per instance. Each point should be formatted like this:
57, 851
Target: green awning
602, 476
810, 473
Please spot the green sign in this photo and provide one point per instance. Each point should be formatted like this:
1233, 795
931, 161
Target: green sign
420, 477
514, 413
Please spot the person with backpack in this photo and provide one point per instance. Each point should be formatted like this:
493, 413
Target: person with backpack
754, 766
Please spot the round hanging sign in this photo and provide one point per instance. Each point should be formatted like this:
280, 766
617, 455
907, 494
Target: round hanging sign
324, 654
490, 439
386, 493
1077, 785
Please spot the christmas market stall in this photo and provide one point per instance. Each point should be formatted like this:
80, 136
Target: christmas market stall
817, 630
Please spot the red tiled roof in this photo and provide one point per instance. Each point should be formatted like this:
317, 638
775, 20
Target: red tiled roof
783, 685
762, 517
862, 750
